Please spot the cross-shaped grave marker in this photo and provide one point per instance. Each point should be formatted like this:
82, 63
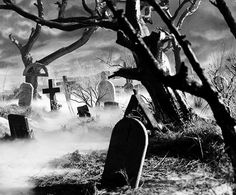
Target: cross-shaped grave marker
66, 84
67, 90
51, 92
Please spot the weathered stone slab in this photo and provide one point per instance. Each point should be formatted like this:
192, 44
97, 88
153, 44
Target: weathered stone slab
83, 111
126, 154
25, 94
19, 126
138, 108
106, 90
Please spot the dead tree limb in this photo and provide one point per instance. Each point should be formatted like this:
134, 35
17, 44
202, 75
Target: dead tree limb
221, 114
225, 11
68, 49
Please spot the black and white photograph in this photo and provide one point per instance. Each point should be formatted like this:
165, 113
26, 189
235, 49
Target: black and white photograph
109, 97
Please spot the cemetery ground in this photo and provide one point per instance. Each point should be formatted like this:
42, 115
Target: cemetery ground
188, 161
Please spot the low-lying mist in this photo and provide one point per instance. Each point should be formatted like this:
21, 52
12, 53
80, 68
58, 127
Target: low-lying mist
55, 134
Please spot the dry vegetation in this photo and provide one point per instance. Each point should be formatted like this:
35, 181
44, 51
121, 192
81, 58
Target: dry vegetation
188, 162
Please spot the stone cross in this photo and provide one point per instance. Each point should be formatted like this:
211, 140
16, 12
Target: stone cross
106, 90
67, 91
19, 126
66, 85
126, 154
25, 94
51, 92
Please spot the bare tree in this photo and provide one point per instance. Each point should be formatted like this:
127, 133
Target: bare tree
131, 30
169, 106
86, 93
25, 49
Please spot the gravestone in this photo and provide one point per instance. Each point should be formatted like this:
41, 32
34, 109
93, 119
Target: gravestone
111, 105
25, 94
137, 108
106, 90
126, 154
67, 91
52, 91
66, 86
19, 126
83, 111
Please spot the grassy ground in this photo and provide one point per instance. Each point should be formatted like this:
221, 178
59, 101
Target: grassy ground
191, 161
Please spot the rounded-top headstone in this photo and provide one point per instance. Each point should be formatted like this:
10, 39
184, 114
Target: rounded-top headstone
25, 94
126, 154
106, 89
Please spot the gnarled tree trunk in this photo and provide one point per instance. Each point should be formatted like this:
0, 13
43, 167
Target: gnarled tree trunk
167, 106
164, 102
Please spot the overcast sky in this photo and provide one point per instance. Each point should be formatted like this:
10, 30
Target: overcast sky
206, 30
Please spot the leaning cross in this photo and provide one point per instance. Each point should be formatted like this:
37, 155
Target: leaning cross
51, 92
66, 85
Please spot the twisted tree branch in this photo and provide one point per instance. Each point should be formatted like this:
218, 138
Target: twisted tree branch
65, 50
34, 32
225, 11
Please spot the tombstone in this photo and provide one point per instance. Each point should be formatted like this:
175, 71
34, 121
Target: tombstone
111, 105
106, 90
83, 111
67, 91
137, 108
52, 91
67, 86
25, 94
126, 154
19, 126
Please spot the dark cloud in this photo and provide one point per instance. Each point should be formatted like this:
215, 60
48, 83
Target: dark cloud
4, 65
206, 30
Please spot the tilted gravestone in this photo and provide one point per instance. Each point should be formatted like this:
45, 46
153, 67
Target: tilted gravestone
52, 91
126, 154
83, 111
19, 126
25, 94
137, 108
67, 86
106, 90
